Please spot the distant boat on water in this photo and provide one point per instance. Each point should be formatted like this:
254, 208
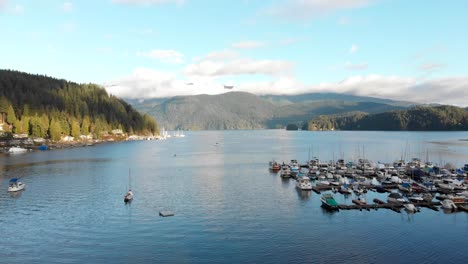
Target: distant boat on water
17, 150
16, 185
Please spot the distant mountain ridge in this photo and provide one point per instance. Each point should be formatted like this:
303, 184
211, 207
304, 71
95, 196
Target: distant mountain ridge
241, 110
419, 118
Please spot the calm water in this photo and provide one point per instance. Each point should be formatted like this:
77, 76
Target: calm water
229, 208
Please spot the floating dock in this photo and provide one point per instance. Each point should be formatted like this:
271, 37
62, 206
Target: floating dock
166, 213
392, 206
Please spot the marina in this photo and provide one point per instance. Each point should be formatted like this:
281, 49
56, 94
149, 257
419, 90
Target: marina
411, 185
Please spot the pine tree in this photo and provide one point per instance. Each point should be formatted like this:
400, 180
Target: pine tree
11, 116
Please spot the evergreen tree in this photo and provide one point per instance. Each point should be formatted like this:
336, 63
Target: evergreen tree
11, 116
55, 131
75, 129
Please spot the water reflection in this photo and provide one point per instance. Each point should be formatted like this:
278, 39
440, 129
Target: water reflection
16, 195
303, 195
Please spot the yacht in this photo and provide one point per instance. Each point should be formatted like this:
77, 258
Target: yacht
328, 202
395, 198
410, 208
285, 171
448, 204
304, 184
16, 185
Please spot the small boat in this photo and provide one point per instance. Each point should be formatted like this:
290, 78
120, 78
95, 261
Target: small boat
405, 187
448, 204
345, 189
285, 171
378, 201
16, 185
395, 198
128, 197
328, 202
416, 199
274, 166
17, 150
357, 190
304, 184
380, 189
360, 201
410, 208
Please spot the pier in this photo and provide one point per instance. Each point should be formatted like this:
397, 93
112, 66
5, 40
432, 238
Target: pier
392, 206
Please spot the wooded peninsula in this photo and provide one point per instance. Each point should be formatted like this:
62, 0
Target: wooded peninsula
45, 107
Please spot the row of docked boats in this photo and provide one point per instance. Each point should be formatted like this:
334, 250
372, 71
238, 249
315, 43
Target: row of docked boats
347, 179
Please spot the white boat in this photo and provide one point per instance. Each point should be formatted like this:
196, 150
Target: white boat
304, 184
395, 198
128, 196
448, 204
410, 207
323, 183
285, 171
17, 150
16, 185
464, 193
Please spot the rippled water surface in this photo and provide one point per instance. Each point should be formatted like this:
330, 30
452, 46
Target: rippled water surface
229, 208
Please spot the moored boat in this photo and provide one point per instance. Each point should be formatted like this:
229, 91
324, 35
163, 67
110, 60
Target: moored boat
410, 208
17, 150
448, 204
303, 183
329, 202
395, 198
274, 166
360, 201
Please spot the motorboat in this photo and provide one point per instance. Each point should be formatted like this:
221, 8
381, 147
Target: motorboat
360, 201
464, 193
416, 199
303, 183
345, 189
128, 196
274, 166
448, 204
17, 150
405, 187
410, 208
16, 185
328, 202
285, 171
395, 198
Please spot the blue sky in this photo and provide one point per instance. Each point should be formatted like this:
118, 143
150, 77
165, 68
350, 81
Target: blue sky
411, 50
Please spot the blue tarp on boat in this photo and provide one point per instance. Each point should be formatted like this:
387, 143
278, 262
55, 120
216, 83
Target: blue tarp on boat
43, 147
14, 180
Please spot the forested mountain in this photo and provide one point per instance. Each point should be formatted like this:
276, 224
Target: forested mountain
236, 110
42, 106
419, 118
240, 110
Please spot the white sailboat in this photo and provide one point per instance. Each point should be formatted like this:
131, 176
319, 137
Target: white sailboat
129, 195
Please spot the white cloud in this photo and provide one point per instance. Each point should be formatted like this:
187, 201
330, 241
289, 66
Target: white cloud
310, 9
167, 56
67, 7
148, 83
239, 67
354, 48
249, 44
148, 2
